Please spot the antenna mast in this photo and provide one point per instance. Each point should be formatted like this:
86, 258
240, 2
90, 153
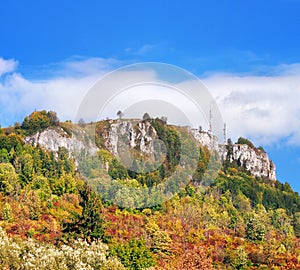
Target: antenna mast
224, 133
210, 122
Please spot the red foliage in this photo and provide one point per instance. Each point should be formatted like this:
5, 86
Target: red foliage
56, 204
192, 258
123, 225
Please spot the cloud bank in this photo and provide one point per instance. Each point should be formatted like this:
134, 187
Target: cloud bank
263, 108
62, 91
7, 66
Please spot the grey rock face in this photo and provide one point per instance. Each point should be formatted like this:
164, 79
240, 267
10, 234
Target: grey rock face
252, 159
205, 139
136, 134
51, 139
141, 136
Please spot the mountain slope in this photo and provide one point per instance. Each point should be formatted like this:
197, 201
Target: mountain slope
238, 221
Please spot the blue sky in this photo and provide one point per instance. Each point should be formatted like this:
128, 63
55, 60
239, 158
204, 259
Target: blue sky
247, 53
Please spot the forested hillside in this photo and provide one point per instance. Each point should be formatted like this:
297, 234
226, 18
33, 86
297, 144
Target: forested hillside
52, 216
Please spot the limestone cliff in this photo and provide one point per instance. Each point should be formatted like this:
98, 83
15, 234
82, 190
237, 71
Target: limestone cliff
134, 133
205, 139
140, 136
53, 138
252, 159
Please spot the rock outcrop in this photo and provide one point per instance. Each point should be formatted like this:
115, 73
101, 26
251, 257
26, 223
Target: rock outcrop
252, 159
54, 138
123, 135
140, 136
134, 133
205, 139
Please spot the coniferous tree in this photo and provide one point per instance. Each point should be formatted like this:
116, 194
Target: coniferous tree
89, 223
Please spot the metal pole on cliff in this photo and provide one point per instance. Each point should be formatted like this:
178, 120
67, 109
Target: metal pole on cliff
224, 133
210, 123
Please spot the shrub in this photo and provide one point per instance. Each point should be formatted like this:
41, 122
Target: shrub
134, 254
31, 254
39, 121
242, 140
7, 213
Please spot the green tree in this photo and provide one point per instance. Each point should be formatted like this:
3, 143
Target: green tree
160, 240
242, 140
7, 213
12, 141
134, 254
53, 118
38, 121
117, 171
282, 222
41, 185
70, 183
241, 258
81, 123
8, 179
146, 116
242, 203
65, 163
255, 230
58, 186
33, 203
4, 156
88, 224
120, 114
24, 167
296, 224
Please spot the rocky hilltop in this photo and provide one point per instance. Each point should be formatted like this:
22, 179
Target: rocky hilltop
252, 159
55, 137
248, 157
140, 135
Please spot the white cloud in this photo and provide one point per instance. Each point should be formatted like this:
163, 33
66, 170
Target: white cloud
145, 48
7, 66
142, 50
61, 92
79, 66
265, 109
